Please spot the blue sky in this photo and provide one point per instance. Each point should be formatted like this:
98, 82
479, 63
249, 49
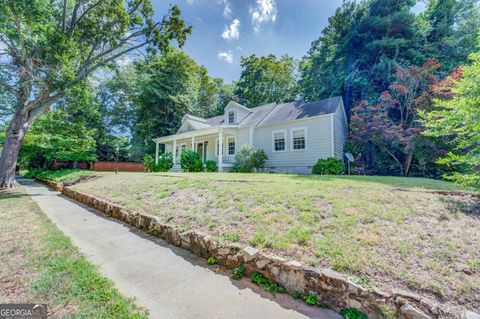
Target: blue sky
225, 30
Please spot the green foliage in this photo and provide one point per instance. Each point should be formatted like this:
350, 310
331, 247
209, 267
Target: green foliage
212, 260
211, 166
457, 120
248, 160
312, 300
231, 236
149, 163
190, 161
266, 80
266, 283
154, 95
64, 134
239, 272
165, 162
352, 313
329, 166
297, 295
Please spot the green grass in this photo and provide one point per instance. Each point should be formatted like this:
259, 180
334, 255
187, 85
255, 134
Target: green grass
387, 231
40, 265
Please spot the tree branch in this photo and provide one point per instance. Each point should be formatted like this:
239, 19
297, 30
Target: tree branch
9, 89
74, 15
84, 13
64, 15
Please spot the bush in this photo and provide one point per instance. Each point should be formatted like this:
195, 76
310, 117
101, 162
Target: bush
248, 159
352, 313
329, 166
190, 161
211, 166
165, 162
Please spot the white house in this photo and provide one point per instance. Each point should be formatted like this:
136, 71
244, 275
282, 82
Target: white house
293, 135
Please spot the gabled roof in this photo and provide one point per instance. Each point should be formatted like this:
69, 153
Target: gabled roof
272, 113
238, 105
298, 110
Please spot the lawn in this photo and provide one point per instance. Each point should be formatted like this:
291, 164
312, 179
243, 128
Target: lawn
38, 264
415, 234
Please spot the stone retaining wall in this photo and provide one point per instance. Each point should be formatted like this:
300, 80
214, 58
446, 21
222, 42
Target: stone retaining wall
331, 287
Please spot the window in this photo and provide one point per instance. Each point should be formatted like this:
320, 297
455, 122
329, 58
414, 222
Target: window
184, 147
231, 117
298, 139
279, 141
231, 145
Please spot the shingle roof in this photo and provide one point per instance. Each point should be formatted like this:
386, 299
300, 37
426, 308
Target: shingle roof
298, 110
217, 120
284, 112
258, 113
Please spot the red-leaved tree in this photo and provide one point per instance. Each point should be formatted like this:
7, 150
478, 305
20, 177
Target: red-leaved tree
391, 126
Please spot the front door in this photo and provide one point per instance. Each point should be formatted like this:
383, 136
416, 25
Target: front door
202, 150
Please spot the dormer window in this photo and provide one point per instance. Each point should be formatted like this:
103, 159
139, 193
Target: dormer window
231, 117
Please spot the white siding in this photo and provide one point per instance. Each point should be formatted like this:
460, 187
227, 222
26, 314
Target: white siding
240, 113
318, 144
340, 132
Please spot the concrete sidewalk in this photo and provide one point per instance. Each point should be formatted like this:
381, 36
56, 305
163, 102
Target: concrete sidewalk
168, 281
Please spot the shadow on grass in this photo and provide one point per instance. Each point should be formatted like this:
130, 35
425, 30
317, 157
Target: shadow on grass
395, 181
466, 205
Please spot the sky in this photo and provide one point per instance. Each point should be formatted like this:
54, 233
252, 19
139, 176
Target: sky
225, 30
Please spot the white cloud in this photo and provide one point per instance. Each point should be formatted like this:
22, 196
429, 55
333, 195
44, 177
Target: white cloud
233, 31
189, 1
226, 56
227, 8
264, 11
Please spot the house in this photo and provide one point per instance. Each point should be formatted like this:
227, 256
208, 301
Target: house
293, 135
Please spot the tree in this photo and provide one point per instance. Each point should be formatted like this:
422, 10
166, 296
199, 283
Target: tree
364, 44
456, 118
392, 124
167, 90
358, 52
448, 30
266, 80
52, 46
64, 134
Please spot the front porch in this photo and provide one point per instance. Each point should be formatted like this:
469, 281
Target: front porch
217, 144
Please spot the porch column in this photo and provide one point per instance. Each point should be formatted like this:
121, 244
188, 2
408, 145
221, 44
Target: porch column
193, 143
220, 150
174, 152
156, 152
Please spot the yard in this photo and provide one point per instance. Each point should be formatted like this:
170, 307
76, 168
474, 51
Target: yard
38, 264
414, 234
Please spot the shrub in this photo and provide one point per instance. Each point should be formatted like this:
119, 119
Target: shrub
352, 313
190, 161
212, 260
211, 166
165, 163
248, 159
239, 272
329, 166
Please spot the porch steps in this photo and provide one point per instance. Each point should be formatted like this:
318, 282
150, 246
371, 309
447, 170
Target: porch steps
176, 169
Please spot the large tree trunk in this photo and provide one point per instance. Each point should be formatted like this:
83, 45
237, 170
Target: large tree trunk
8, 160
